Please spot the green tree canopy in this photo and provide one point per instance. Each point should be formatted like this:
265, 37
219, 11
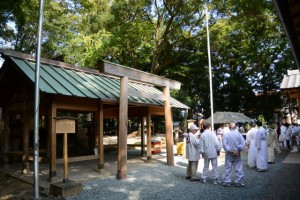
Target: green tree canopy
248, 48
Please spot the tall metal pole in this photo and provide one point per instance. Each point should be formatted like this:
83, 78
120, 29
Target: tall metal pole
36, 104
210, 73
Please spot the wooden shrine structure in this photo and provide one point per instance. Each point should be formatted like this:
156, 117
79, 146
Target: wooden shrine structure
110, 91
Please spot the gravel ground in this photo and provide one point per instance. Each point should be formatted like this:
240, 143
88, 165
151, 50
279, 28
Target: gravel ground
159, 181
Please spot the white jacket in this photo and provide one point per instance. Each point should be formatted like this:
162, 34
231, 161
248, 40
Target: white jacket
209, 144
192, 147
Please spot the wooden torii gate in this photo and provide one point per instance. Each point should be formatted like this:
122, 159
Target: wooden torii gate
126, 73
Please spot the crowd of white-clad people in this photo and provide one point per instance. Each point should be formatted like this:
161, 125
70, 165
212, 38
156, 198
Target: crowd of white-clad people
260, 143
207, 144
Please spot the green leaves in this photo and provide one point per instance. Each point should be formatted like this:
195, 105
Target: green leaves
168, 38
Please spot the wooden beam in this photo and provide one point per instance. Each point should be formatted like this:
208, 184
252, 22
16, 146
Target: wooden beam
110, 113
135, 111
294, 94
75, 104
122, 133
77, 159
137, 75
169, 127
154, 110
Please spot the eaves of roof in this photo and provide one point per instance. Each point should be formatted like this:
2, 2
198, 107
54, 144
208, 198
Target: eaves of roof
289, 14
65, 79
291, 80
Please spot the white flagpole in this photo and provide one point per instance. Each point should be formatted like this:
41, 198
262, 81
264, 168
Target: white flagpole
36, 104
210, 73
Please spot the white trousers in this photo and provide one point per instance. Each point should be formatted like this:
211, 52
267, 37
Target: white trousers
214, 163
237, 166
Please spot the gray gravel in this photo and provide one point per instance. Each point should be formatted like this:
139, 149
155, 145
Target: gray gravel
159, 181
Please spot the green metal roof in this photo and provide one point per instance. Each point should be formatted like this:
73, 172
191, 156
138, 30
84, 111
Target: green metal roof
84, 82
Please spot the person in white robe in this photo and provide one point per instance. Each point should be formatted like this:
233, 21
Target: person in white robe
271, 144
192, 152
250, 143
262, 152
288, 136
209, 149
226, 129
278, 133
220, 133
233, 144
282, 137
297, 133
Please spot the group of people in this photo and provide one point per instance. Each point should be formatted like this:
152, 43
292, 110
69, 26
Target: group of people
208, 145
285, 134
260, 143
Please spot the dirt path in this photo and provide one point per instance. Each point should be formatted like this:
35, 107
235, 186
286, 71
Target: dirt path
11, 188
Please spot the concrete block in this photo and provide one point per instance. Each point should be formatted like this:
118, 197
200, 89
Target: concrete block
69, 188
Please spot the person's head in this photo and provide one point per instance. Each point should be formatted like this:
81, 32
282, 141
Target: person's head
253, 124
206, 125
232, 125
287, 124
278, 124
193, 128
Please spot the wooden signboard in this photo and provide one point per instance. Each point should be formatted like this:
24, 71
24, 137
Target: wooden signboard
65, 125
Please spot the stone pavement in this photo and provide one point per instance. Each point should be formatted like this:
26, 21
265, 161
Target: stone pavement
85, 170
287, 179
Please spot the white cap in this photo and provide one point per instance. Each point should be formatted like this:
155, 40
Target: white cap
193, 127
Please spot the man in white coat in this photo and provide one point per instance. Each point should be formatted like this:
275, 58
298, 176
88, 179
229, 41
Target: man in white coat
233, 144
282, 140
288, 136
250, 142
271, 143
192, 152
210, 149
262, 152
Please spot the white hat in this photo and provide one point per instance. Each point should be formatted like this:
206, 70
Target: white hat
193, 127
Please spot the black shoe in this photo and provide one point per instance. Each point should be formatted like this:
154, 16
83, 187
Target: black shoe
225, 184
195, 179
239, 185
271, 162
262, 170
188, 177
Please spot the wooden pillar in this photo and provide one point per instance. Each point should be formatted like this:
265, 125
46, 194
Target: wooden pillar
169, 127
185, 126
52, 139
185, 129
122, 132
6, 138
143, 136
298, 102
100, 132
66, 170
26, 129
149, 148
